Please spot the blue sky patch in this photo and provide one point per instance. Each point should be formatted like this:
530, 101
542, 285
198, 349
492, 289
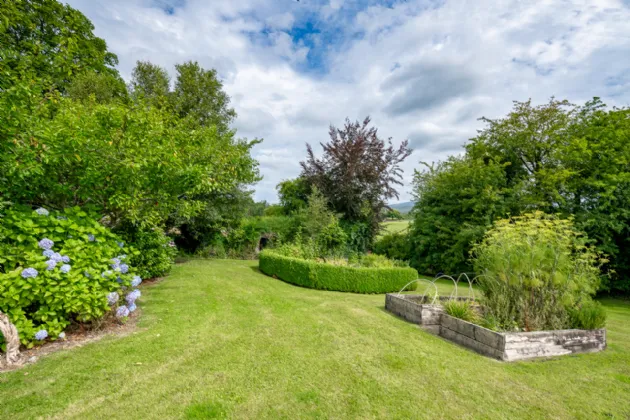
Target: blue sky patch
169, 6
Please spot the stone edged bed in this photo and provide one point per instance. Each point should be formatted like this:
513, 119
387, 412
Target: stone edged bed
505, 346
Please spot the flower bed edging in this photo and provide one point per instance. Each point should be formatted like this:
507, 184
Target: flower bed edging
504, 346
407, 307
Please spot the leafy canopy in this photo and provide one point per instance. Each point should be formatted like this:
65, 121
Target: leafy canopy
52, 41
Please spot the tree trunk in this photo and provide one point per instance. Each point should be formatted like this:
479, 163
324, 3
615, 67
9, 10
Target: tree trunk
11, 338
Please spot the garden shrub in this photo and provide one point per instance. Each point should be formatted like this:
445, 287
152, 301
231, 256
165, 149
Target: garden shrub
156, 251
318, 275
589, 316
379, 261
61, 267
396, 246
534, 269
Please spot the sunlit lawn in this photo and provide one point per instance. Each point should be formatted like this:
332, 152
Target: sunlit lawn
395, 226
219, 339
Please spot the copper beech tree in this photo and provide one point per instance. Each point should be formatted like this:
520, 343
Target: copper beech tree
358, 173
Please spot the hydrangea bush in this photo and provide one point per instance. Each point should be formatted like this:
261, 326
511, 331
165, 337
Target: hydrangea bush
57, 268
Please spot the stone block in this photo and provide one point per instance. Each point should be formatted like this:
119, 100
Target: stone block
470, 343
458, 325
489, 338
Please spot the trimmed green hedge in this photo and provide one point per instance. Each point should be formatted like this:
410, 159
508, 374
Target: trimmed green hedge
323, 276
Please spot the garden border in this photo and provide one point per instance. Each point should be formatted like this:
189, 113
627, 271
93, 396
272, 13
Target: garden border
505, 346
322, 276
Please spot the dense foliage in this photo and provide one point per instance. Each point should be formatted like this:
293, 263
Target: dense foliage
52, 41
343, 278
396, 246
534, 269
61, 267
197, 98
457, 200
155, 251
557, 158
357, 174
132, 163
293, 194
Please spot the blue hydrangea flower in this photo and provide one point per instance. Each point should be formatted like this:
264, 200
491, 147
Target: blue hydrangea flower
91, 238
135, 282
65, 258
122, 312
41, 335
46, 243
65, 268
124, 268
62, 335
122, 257
133, 296
28, 273
42, 211
121, 244
132, 307
51, 264
106, 273
116, 268
116, 261
112, 298
119, 280
48, 253
56, 257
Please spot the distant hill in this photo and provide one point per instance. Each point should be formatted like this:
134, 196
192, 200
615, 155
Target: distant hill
403, 207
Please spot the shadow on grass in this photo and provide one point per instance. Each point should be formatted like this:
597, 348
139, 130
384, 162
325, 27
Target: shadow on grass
257, 270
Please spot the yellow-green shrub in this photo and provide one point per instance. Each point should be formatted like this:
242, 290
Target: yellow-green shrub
534, 269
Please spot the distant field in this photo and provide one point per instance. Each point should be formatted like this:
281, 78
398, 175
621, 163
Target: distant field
395, 227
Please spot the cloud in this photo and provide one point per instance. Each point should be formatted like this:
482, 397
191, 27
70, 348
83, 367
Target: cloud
424, 70
424, 86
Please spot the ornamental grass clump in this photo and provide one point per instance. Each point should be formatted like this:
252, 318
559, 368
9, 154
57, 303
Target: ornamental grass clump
534, 270
462, 309
55, 270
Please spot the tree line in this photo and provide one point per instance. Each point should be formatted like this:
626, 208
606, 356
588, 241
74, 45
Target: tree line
558, 158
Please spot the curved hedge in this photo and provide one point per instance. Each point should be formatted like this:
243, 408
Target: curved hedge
323, 276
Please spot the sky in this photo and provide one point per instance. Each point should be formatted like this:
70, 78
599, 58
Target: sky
423, 70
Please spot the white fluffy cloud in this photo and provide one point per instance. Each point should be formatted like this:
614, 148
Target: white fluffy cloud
424, 70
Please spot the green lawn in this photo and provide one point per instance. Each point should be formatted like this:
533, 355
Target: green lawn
217, 338
395, 226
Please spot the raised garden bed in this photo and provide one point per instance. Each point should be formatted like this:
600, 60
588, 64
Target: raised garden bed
506, 346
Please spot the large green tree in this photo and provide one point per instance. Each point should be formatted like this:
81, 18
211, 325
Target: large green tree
197, 96
134, 163
293, 194
457, 200
52, 41
150, 82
